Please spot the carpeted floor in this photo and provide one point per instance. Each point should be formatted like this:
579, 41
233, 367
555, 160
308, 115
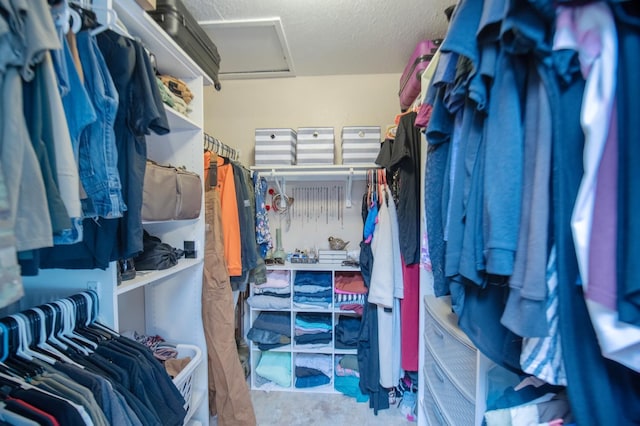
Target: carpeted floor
318, 409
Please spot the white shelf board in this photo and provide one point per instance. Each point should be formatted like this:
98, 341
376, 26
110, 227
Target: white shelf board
317, 310
339, 351
337, 171
325, 350
285, 348
321, 267
179, 122
144, 278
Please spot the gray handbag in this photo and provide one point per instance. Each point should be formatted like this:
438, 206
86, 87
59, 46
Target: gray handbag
170, 193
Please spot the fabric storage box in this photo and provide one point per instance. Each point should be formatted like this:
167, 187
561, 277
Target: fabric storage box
275, 147
360, 144
315, 145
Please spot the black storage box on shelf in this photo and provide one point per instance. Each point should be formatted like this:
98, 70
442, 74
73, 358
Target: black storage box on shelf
176, 20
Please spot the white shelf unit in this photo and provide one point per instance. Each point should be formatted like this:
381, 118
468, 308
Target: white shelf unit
168, 302
331, 311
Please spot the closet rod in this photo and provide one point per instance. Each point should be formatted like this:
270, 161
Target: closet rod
215, 145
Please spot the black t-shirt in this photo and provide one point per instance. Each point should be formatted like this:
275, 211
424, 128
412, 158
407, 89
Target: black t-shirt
401, 158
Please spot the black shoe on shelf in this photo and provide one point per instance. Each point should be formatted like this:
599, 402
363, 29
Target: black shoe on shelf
126, 269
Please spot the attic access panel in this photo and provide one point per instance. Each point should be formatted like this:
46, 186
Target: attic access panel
255, 48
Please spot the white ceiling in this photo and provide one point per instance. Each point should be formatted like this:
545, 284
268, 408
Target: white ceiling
324, 37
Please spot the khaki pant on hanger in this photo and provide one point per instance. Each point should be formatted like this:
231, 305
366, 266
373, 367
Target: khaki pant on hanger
229, 395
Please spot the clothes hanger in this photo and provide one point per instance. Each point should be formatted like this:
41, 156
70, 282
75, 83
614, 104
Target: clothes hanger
70, 324
81, 16
25, 340
59, 329
84, 316
17, 364
390, 132
38, 318
95, 309
369, 185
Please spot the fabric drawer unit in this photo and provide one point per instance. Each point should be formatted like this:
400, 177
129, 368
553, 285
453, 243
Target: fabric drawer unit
315, 145
456, 407
360, 145
275, 147
450, 346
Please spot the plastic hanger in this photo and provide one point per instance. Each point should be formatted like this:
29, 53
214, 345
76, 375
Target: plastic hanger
42, 343
51, 324
94, 315
70, 324
84, 316
25, 340
16, 363
60, 328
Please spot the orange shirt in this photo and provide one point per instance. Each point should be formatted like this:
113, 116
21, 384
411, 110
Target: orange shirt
230, 220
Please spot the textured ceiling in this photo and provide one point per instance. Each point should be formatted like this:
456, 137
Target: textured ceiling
327, 37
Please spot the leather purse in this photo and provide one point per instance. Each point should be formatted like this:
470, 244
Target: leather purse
170, 193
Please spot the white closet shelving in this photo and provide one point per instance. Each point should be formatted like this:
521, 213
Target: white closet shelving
168, 302
329, 349
312, 219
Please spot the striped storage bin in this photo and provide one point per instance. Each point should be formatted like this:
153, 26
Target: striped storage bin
275, 147
315, 145
360, 144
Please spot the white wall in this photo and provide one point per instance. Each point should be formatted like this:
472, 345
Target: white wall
234, 113
241, 106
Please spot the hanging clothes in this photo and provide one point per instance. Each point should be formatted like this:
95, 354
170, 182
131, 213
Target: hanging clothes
368, 344
98, 377
229, 395
248, 249
226, 187
139, 111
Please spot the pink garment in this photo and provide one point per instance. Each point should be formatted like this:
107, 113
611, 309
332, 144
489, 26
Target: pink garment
604, 227
276, 279
409, 316
356, 307
341, 371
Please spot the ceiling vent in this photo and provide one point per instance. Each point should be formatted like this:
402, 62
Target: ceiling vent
251, 48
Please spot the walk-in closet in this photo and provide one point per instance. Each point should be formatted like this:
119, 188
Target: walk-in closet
240, 213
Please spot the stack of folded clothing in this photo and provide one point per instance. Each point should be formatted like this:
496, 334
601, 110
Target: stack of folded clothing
274, 367
271, 330
177, 94
312, 330
312, 289
347, 331
312, 370
347, 380
350, 291
274, 294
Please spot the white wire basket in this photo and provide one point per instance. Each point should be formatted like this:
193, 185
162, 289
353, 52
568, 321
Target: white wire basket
184, 379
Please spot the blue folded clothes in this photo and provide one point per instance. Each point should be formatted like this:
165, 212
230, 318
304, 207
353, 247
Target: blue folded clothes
313, 318
318, 294
280, 322
316, 338
312, 381
313, 278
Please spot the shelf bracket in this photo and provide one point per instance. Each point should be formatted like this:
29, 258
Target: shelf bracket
347, 201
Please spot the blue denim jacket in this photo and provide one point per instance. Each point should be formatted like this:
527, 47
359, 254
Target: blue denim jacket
98, 157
